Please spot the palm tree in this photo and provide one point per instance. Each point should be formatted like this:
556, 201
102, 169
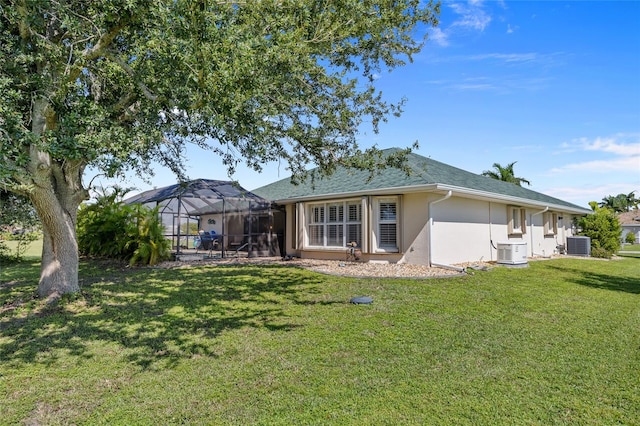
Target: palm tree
632, 201
505, 174
609, 202
620, 203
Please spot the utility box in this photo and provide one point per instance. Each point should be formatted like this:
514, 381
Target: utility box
512, 253
579, 246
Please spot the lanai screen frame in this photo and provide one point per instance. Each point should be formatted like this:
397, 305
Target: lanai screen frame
194, 198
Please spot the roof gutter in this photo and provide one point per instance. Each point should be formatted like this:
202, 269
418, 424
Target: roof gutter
355, 194
484, 195
460, 191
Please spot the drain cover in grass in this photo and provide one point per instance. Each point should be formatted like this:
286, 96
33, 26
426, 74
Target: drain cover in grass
361, 300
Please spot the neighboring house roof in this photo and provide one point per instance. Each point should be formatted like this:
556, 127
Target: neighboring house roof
426, 175
631, 218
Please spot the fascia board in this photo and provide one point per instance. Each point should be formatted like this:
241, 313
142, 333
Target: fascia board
457, 190
378, 191
524, 202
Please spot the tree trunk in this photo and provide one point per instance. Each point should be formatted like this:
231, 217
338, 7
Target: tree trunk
59, 270
56, 191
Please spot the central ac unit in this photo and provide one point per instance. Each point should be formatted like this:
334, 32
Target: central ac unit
579, 246
512, 253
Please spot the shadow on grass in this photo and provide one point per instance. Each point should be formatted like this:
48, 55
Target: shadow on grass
154, 316
627, 284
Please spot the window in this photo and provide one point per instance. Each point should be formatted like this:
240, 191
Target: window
316, 225
335, 224
387, 224
517, 221
550, 223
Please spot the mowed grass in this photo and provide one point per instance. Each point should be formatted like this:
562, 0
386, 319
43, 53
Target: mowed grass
555, 343
34, 248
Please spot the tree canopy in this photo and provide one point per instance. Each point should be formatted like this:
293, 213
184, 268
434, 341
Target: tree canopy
505, 174
16, 211
620, 203
117, 84
604, 230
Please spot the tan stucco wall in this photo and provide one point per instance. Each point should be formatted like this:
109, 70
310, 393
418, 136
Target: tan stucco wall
463, 230
415, 232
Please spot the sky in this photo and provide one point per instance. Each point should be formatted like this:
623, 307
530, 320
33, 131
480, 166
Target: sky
551, 85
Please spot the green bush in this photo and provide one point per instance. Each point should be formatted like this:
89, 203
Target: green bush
601, 253
604, 230
147, 237
630, 238
109, 228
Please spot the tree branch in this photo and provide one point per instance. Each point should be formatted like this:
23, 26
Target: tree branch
143, 87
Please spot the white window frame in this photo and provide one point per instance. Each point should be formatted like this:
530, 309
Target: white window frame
334, 220
550, 224
379, 222
517, 221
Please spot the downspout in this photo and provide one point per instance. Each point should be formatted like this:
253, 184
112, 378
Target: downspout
431, 263
546, 209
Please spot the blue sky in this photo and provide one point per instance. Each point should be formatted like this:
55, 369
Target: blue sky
553, 85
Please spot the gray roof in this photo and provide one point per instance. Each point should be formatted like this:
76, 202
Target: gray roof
426, 175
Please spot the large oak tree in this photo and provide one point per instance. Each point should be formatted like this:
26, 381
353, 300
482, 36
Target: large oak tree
117, 84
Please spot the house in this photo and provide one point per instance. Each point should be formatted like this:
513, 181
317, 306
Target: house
630, 223
437, 215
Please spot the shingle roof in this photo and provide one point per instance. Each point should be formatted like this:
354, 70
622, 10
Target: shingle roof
424, 171
630, 218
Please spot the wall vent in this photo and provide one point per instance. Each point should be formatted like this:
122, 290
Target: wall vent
579, 246
512, 253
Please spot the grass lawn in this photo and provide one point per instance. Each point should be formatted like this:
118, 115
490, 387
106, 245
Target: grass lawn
555, 343
34, 249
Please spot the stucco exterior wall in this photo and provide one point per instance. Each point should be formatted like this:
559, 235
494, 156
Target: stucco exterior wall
462, 230
631, 229
415, 230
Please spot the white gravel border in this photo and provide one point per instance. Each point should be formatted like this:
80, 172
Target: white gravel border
330, 267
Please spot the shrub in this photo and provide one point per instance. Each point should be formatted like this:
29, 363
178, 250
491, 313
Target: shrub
630, 238
147, 236
604, 230
599, 252
109, 228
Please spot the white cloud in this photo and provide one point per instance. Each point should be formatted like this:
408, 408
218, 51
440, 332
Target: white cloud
622, 153
581, 195
620, 144
596, 168
439, 36
471, 15
611, 145
474, 87
507, 57
602, 166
